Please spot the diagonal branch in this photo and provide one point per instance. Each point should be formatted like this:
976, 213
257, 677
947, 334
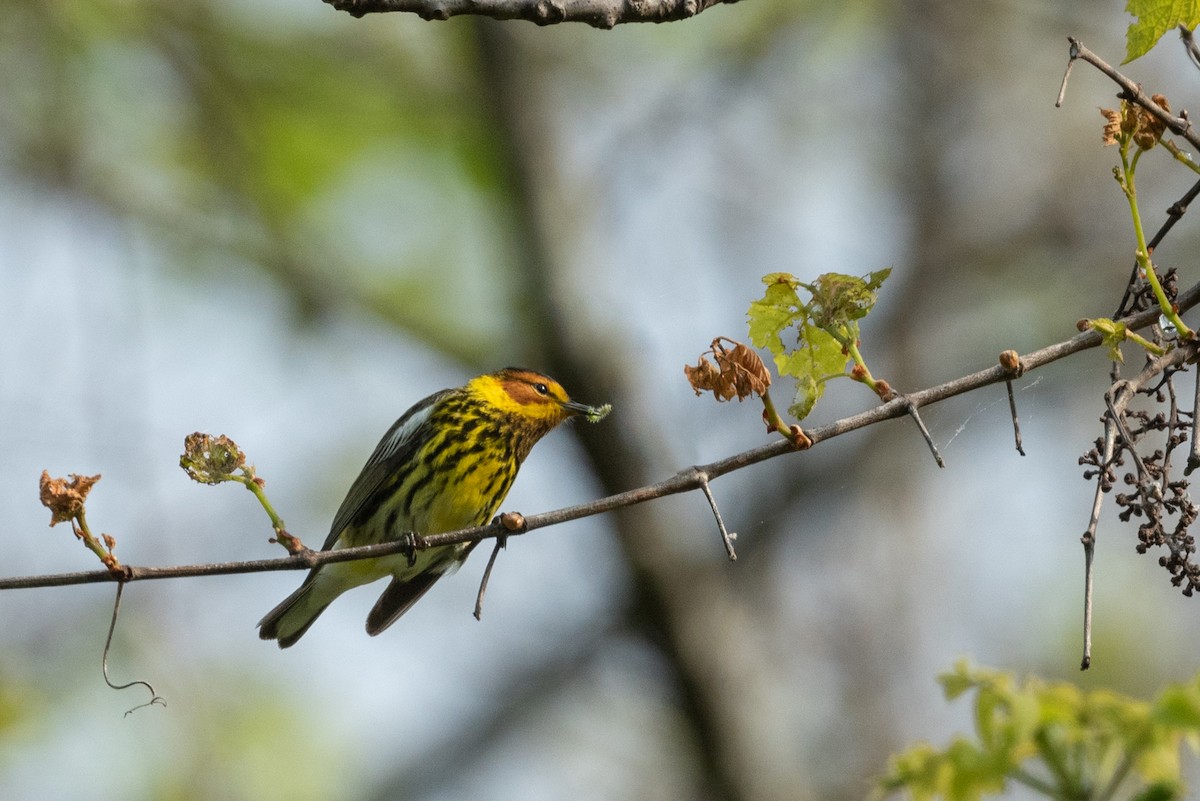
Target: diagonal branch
597, 13
1180, 126
693, 478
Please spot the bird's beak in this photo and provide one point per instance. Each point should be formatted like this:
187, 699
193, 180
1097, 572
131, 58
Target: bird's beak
594, 414
578, 408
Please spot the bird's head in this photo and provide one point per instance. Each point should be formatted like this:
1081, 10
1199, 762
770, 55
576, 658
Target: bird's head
531, 396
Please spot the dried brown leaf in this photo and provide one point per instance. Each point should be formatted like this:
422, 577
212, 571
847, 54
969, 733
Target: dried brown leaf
703, 376
1150, 127
745, 370
1112, 126
739, 372
65, 498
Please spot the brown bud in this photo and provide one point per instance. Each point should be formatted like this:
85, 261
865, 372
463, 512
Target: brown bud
799, 438
512, 521
1010, 361
1083, 325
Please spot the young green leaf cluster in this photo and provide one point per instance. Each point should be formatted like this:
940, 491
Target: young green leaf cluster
824, 327
1055, 738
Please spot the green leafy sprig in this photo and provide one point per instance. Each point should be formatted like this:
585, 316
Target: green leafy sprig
824, 328
1055, 738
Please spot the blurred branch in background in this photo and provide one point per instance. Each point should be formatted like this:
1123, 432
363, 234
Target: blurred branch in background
597, 13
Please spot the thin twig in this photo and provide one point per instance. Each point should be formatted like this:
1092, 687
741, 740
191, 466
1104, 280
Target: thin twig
501, 541
727, 536
1012, 407
1117, 399
1189, 45
1010, 360
1089, 555
1089, 537
916, 416
685, 481
1062, 89
1194, 452
155, 698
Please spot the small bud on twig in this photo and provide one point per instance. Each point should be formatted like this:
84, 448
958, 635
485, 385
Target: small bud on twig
512, 521
1010, 360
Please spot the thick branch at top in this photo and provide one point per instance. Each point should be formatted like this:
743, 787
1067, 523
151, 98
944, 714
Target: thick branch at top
597, 13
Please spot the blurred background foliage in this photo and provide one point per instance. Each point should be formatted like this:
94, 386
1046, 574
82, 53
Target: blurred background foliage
271, 220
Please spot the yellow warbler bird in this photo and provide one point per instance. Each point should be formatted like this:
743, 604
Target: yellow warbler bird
446, 464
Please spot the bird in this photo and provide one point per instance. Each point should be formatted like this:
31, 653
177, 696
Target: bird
446, 464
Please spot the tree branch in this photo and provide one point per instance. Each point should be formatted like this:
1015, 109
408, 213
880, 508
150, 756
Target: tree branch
597, 13
1180, 126
687, 480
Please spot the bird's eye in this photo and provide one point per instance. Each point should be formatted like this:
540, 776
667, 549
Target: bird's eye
542, 389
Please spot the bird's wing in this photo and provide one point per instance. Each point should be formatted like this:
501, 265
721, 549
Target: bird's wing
393, 450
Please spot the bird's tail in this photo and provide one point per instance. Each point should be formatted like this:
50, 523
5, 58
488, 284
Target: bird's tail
288, 621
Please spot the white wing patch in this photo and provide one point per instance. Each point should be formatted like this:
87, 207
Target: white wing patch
401, 432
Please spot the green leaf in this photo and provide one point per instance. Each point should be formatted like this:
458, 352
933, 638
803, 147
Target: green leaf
1113, 334
916, 770
1178, 707
956, 683
838, 299
1161, 791
974, 771
817, 358
822, 355
808, 392
779, 308
1067, 738
1154, 19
